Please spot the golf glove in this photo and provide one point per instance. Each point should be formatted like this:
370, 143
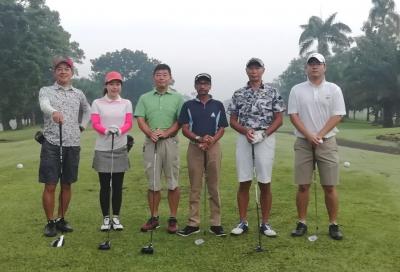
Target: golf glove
258, 137
113, 129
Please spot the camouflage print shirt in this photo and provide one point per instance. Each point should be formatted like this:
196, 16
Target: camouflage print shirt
72, 103
255, 108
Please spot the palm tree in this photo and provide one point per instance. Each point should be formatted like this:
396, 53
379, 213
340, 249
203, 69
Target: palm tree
325, 33
383, 15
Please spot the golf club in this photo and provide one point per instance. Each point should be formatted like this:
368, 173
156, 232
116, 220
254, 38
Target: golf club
106, 245
201, 240
59, 242
149, 248
259, 246
314, 237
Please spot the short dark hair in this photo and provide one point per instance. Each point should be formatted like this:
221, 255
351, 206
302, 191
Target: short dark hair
162, 66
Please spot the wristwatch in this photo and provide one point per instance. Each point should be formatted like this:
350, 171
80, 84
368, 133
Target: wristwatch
197, 138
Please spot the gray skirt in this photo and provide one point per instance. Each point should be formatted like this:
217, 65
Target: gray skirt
102, 161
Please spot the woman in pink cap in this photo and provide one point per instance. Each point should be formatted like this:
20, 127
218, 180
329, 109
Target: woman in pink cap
112, 118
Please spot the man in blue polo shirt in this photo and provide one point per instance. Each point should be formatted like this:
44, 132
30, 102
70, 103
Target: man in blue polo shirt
203, 121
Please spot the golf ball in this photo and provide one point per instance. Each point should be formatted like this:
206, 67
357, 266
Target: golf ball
346, 164
20, 165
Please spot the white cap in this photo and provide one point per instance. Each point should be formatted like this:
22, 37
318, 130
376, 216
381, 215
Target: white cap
317, 56
256, 61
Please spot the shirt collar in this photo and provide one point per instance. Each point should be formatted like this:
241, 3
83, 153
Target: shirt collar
262, 86
169, 91
58, 87
111, 100
316, 86
198, 100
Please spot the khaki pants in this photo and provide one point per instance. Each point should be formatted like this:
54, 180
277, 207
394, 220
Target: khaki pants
195, 161
327, 158
167, 162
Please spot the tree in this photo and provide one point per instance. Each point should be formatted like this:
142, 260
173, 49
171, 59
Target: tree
375, 70
293, 75
92, 89
325, 33
135, 66
383, 16
30, 35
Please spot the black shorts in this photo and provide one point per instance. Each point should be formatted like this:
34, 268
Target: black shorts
49, 169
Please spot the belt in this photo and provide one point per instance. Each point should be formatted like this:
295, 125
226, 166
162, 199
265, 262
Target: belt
163, 138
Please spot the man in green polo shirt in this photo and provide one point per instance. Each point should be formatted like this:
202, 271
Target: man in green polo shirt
157, 115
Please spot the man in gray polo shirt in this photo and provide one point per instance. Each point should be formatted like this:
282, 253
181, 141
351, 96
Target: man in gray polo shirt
316, 106
61, 104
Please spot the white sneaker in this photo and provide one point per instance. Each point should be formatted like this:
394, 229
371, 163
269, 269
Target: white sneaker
116, 223
106, 224
267, 230
240, 228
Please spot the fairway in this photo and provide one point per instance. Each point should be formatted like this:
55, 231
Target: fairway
369, 217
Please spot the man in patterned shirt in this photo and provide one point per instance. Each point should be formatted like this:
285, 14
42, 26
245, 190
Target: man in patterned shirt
61, 104
255, 113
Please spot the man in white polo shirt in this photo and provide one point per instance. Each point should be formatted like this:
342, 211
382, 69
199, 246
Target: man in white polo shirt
315, 108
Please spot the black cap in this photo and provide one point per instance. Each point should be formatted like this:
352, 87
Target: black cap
256, 61
202, 76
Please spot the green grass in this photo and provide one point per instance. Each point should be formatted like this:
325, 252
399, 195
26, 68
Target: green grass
356, 130
369, 215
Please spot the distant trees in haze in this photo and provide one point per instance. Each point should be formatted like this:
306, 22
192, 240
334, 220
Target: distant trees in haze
368, 72
30, 35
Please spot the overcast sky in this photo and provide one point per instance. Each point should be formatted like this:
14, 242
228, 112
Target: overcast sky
213, 36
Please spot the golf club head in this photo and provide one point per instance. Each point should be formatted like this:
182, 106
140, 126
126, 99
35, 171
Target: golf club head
59, 242
105, 245
147, 249
259, 249
199, 241
313, 238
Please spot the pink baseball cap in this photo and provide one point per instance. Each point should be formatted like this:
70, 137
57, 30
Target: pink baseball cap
67, 60
113, 75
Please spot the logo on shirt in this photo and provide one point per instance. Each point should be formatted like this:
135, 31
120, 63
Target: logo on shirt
212, 115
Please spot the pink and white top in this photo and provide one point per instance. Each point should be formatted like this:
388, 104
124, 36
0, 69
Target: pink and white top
107, 112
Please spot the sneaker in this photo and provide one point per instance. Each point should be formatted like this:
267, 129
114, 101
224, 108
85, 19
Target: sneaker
106, 224
334, 232
50, 229
300, 230
172, 227
116, 224
63, 225
151, 224
267, 230
217, 230
188, 230
240, 228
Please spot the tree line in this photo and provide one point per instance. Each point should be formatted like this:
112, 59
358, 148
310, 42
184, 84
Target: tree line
30, 36
367, 67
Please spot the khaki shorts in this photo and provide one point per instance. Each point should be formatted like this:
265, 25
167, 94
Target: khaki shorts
327, 157
167, 162
264, 153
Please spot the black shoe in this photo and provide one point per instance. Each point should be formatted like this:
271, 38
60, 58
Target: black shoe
63, 225
218, 231
188, 230
334, 232
50, 229
300, 230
